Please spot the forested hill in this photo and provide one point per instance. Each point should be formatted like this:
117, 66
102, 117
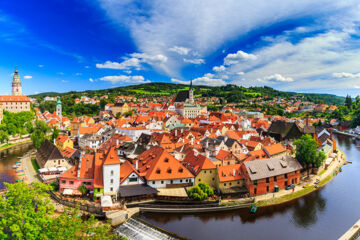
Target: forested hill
230, 93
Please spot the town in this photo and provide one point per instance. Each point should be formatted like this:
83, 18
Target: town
138, 151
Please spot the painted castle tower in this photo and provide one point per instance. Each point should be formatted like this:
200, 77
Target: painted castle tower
191, 94
58, 107
16, 84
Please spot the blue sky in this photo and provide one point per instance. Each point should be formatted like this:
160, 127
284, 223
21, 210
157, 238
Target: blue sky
303, 46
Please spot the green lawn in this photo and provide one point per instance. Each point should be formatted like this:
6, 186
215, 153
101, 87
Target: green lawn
35, 165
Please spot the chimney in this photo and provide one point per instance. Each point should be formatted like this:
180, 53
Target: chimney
192, 141
137, 164
175, 132
207, 154
117, 142
182, 130
234, 172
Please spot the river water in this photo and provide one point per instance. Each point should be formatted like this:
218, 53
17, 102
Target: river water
8, 158
324, 214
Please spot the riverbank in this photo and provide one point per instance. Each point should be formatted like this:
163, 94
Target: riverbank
10, 145
284, 196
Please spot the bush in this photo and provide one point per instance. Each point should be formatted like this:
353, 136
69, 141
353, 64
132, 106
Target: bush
200, 192
55, 186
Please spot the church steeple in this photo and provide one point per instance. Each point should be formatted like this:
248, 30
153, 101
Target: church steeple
16, 83
190, 84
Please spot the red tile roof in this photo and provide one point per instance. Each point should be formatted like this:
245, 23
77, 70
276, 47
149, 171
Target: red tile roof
230, 173
197, 163
112, 157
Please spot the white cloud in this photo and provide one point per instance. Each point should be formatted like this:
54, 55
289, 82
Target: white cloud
124, 79
240, 73
240, 56
87, 67
219, 68
91, 80
78, 74
195, 61
135, 61
346, 75
64, 81
27, 77
206, 80
278, 78
60, 73
126, 64
180, 50
40, 65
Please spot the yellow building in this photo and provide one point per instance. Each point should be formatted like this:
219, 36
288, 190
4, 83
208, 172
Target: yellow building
120, 108
64, 141
202, 168
230, 180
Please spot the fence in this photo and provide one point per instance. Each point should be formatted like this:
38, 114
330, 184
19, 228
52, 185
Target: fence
84, 207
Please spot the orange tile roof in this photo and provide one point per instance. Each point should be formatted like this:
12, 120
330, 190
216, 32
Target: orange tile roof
68, 152
111, 157
98, 170
125, 170
274, 149
12, 98
230, 173
158, 164
62, 138
86, 169
197, 163
223, 154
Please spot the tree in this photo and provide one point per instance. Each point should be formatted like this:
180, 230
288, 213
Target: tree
39, 134
55, 133
306, 152
82, 189
200, 192
348, 101
26, 213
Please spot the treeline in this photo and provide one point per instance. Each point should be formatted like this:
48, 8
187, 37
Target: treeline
230, 93
69, 108
16, 124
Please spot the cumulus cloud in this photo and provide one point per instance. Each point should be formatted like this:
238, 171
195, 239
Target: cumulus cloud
235, 58
180, 50
206, 80
134, 61
91, 80
346, 75
278, 78
219, 68
78, 74
27, 77
195, 61
124, 79
40, 65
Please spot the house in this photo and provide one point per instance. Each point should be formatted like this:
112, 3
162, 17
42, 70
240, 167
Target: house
111, 173
120, 108
226, 158
81, 174
275, 150
281, 130
49, 156
230, 180
162, 170
270, 175
201, 167
63, 142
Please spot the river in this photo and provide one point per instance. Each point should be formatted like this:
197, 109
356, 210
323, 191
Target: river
8, 158
324, 214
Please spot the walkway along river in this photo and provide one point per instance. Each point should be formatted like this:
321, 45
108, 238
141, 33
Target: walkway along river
324, 214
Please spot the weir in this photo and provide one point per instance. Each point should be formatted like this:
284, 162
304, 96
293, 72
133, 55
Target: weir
135, 229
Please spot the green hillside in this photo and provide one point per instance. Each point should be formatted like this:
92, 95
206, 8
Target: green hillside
230, 93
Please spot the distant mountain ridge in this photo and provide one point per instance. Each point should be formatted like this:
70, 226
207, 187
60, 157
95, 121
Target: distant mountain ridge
231, 93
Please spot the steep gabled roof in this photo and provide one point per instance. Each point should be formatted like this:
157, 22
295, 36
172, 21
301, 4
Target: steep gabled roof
196, 163
111, 157
158, 164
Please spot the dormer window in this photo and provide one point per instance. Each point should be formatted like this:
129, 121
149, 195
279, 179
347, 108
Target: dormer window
169, 170
166, 160
158, 171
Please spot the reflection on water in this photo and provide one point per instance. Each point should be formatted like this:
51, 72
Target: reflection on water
324, 214
8, 158
306, 209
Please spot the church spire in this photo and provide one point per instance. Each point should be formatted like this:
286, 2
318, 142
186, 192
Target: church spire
16, 83
190, 84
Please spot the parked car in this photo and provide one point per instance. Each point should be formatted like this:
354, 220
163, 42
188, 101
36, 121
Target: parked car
317, 181
291, 186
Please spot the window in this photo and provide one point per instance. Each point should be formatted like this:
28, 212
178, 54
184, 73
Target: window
255, 191
267, 180
267, 189
275, 179
111, 189
71, 182
224, 184
134, 179
112, 172
213, 179
230, 184
210, 171
205, 171
255, 182
181, 180
286, 175
153, 182
199, 180
162, 182
111, 181
63, 181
